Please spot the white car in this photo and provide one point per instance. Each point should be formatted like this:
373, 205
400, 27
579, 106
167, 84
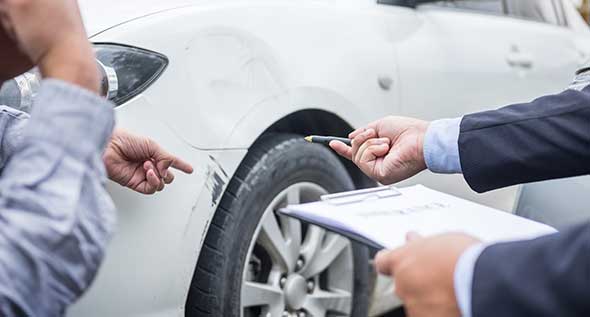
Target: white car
232, 86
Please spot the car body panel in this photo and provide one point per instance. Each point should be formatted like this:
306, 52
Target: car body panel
104, 14
236, 68
469, 66
560, 203
228, 74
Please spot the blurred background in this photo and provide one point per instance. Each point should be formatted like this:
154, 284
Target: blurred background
584, 7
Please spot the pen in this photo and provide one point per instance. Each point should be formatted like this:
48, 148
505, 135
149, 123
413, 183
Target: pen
326, 139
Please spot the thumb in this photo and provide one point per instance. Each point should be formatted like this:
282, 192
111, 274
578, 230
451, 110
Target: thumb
382, 262
342, 149
387, 260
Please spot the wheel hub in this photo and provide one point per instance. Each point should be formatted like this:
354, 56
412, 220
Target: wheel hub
295, 291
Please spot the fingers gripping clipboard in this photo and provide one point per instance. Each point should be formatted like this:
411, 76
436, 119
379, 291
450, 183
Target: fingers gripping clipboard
381, 217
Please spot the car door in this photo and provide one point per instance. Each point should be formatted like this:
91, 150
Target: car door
452, 64
544, 51
456, 62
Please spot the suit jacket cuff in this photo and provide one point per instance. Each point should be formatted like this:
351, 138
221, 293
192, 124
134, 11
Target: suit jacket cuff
441, 146
463, 278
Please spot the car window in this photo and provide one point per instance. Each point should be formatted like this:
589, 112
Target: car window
536, 10
483, 6
489, 6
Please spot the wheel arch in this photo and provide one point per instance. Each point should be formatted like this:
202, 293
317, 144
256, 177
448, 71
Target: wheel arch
320, 122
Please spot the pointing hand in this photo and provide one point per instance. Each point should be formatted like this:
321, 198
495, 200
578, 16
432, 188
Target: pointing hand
140, 164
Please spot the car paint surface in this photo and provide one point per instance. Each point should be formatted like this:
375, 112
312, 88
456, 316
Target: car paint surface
237, 67
105, 14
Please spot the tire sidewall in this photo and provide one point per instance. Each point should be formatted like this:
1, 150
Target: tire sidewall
286, 162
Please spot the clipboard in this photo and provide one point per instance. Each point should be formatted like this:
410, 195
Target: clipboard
361, 195
381, 217
347, 198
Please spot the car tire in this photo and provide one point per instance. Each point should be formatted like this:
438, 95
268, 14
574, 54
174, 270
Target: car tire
273, 164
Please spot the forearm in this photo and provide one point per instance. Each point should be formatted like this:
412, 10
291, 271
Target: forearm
56, 216
552, 268
546, 139
547, 276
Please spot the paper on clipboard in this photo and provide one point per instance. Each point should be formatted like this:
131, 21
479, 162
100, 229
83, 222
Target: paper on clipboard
382, 217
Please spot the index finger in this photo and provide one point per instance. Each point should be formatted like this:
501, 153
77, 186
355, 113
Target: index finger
182, 165
373, 125
170, 160
356, 132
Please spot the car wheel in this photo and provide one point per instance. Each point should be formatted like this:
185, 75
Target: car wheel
256, 263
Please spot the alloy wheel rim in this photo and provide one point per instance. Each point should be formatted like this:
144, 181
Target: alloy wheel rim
293, 269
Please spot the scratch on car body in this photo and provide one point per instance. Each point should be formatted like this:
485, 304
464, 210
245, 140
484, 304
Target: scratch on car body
204, 232
212, 158
217, 188
217, 178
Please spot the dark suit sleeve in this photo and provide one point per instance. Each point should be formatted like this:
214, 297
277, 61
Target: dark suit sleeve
549, 276
546, 139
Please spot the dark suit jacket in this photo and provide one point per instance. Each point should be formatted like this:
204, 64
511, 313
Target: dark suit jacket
545, 139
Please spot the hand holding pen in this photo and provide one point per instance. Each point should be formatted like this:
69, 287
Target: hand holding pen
388, 150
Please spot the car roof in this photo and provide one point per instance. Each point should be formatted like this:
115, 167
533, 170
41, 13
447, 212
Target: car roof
100, 15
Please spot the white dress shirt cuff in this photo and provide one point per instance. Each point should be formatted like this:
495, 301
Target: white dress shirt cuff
441, 146
463, 277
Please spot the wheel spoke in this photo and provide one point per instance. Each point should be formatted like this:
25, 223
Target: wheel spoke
320, 302
272, 239
292, 230
294, 195
327, 254
258, 294
291, 226
312, 244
